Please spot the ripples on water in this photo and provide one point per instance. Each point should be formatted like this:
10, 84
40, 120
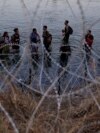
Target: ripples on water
30, 14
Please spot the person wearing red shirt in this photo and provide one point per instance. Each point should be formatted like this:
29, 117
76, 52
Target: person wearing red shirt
89, 38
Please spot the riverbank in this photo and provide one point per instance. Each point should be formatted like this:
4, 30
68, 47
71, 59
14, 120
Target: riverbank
80, 114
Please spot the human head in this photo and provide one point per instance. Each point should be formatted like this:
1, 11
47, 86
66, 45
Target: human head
45, 28
66, 22
89, 31
34, 30
5, 34
16, 30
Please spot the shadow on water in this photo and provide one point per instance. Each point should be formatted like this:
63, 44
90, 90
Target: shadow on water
65, 53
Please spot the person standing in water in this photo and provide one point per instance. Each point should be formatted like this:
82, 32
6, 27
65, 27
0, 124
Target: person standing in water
34, 40
89, 38
34, 37
3, 44
15, 39
6, 42
6, 38
67, 31
47, 38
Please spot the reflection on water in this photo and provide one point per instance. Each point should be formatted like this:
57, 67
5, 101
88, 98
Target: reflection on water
65, 53
29, 14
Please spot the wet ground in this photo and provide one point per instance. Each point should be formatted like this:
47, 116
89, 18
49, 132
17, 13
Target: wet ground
44, 72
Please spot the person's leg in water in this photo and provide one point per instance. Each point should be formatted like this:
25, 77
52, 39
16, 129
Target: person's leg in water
66, 39
47, 47
88, 52
35, 50
37, 54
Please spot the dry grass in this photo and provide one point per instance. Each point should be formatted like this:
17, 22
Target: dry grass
82, 116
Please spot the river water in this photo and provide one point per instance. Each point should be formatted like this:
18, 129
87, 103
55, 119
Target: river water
26, 14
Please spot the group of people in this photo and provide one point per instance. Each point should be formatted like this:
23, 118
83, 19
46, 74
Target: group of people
47, 38
35, 38
66, 32
6, 39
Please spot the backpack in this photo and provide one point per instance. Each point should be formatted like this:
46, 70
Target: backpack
70, 30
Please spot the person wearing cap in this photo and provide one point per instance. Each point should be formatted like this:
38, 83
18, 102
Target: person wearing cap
15, 39
67, 32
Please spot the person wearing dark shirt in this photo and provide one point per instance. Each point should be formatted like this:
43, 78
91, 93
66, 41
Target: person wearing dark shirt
34, 37
15, 39
47, 38
34, 40
67, 32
